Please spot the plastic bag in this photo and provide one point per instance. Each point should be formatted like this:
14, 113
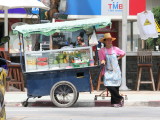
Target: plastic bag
93, 41
62, 5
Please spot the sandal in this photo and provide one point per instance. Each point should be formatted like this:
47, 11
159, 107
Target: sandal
116, 105
122, 102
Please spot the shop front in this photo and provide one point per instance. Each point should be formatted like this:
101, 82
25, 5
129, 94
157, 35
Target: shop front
113, 8
135, 43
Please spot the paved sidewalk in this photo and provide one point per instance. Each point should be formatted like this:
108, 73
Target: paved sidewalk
135, 98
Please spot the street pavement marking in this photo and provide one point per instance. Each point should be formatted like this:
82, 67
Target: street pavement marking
16, 118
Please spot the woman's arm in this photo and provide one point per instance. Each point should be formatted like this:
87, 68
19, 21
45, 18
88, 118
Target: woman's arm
119, 52
101, 55
119, 57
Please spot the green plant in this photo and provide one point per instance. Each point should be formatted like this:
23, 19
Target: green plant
150, 43
156, 12
158, 41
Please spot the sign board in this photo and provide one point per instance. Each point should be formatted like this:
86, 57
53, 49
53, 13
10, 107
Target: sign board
157, 26
137, 6
35, 10
111, 7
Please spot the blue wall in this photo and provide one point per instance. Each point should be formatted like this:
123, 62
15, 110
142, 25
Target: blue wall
74, 7
15, 11
83, 7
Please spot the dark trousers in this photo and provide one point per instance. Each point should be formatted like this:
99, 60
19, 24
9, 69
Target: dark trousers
115, 96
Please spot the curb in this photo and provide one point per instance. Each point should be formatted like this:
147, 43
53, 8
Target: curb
140, 98
101, 103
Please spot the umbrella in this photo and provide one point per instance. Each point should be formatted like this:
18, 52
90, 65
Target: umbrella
9, 4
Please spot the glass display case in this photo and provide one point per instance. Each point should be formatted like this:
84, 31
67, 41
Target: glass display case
58, 59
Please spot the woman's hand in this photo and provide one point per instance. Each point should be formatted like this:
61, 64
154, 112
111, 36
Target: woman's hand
120, 57
103, 62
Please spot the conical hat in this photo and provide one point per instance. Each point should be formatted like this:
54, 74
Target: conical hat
107, 36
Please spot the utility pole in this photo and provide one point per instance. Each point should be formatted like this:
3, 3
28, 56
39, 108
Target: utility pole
124, 42
6, 26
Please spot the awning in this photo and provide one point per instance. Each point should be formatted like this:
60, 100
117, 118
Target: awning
51, 28
9, 4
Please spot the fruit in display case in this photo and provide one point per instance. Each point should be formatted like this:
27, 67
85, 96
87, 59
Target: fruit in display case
55, 61
71, 59
42, 59
61, 61
65, 61
31, 61
78, 54
64, 54
66, 58
60, 56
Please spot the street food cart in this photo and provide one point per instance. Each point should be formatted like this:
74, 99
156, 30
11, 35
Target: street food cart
60, 73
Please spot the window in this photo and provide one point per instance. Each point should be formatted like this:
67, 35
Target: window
133, 38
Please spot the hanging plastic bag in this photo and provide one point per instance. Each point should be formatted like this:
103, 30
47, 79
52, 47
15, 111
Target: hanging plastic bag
62, 6
46, 2
93, 41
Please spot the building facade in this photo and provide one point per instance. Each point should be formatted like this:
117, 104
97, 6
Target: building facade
113, 8
95, 8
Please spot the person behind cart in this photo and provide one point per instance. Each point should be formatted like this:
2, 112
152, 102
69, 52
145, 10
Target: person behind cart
80, 41
109, 56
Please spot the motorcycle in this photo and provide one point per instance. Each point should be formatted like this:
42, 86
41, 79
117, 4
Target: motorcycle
3, 75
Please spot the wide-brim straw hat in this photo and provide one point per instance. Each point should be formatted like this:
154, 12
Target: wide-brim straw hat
107, 36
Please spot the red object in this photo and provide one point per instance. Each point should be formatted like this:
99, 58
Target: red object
58, 20
136, 6
42, 59
94, 48
1, 49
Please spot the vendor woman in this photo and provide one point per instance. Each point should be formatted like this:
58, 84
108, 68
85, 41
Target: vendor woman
109, 56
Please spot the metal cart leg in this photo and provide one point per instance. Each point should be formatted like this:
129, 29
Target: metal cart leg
25, 103
102, 94
125, 96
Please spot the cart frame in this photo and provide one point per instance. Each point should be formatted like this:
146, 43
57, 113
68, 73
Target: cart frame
63, 86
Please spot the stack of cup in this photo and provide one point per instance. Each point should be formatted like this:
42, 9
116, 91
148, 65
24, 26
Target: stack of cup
91, 62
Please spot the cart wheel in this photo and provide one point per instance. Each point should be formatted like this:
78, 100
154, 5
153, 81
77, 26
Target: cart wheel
63, 94
77, 97
25, 103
